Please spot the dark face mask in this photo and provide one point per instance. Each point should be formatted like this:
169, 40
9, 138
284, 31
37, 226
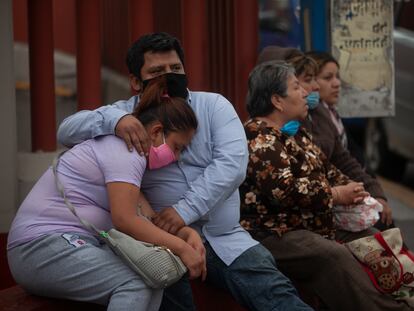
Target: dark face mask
176, 84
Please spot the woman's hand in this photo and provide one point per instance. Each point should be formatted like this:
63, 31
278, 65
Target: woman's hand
386, 214
194, 240
351, 193
194, 262
123, 199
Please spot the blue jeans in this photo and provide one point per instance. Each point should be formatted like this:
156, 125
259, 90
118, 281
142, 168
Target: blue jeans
252, 279
178, 297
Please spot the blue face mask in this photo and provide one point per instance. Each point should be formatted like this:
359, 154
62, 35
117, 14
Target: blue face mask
312, 100
290, 128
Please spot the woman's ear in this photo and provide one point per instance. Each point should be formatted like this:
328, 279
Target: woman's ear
277, 102
156, 132
135, 83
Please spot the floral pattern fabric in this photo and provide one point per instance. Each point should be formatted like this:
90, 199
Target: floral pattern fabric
288, 183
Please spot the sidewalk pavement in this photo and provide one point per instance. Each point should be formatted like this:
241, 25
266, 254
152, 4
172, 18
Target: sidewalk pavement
401, 200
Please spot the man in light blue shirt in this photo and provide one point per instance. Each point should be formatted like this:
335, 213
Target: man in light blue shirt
201, 189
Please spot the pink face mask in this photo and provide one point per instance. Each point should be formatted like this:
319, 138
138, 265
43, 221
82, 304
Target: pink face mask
160, 156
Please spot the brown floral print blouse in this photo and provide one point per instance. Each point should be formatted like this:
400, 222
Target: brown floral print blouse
288, 183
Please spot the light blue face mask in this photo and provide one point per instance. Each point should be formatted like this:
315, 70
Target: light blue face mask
312, 100
290, 128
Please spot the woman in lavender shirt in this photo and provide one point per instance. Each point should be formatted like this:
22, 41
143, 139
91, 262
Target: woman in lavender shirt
51, 254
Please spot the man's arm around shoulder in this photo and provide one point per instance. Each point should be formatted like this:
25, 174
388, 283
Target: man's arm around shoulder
87, 124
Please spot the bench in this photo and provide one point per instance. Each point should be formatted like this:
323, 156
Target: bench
16, 298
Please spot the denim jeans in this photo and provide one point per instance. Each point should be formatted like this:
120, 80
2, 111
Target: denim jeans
178, 297
254, 281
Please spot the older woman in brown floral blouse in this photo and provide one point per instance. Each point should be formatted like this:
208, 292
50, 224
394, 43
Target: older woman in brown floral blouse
290, 183
289, 192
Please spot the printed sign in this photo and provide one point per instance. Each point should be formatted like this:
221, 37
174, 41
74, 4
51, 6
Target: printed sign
362, 43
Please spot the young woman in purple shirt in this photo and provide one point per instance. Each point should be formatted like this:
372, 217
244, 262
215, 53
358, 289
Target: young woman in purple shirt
50, 253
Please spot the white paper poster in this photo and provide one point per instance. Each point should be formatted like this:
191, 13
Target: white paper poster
362, 43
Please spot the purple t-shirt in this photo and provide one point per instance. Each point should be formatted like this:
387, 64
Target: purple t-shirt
84, 172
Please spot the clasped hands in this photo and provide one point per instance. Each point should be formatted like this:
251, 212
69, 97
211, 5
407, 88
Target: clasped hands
169, 220
354, 193
351, 193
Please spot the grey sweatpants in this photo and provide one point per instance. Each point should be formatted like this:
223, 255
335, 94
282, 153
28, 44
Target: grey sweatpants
329, 270
82, 268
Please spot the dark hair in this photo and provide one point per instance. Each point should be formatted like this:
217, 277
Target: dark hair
172, 112
321, 59
266, 80
274, 52
295, 57
153, 42
303, 64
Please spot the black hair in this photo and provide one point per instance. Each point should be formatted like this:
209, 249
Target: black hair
321, 59
153, 42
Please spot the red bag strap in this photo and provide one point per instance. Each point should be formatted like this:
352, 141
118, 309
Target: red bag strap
378, 236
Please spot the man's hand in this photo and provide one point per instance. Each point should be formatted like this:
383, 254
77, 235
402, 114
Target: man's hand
169, 220
133, 133
386, 214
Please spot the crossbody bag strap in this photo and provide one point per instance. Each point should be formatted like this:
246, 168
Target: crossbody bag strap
69, 205
84, 222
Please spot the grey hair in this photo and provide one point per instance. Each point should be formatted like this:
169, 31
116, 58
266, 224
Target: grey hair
266, 80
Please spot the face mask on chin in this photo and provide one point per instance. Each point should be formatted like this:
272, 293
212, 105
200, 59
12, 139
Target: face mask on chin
176, 84
160, 156
312, 100
290, 128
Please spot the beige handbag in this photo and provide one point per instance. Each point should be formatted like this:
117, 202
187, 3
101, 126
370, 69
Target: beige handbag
389, 264
157, 265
